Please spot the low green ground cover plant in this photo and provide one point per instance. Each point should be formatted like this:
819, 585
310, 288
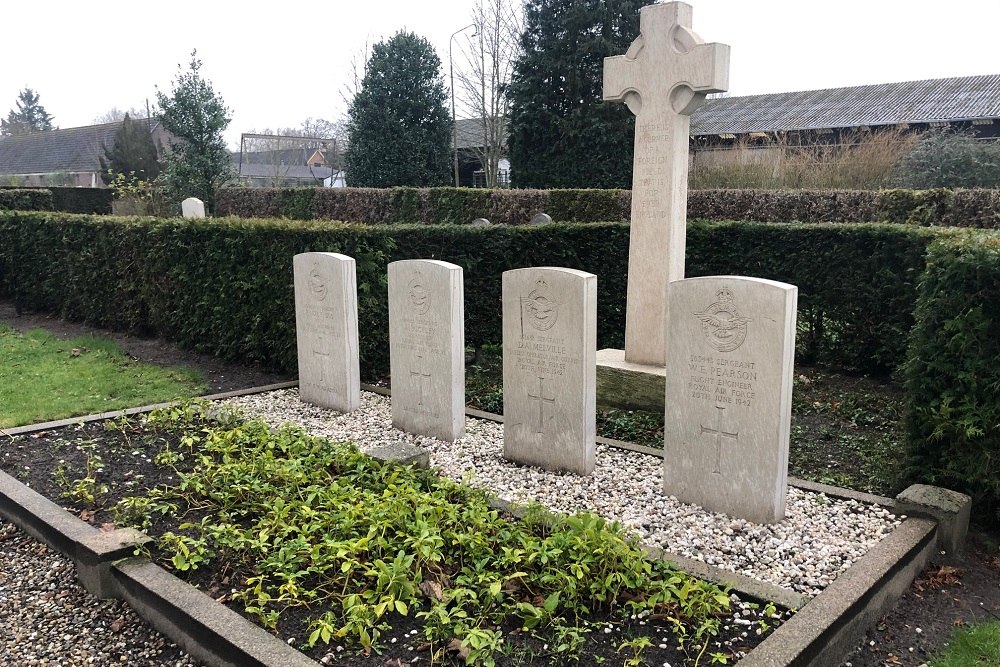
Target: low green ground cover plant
313, 533
975, 646
43, 378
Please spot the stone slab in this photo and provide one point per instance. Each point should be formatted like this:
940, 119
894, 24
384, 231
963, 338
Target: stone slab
950, 509
326, 330
427, 348
730, 353
624, 385
549, 368
403, 454
192, 207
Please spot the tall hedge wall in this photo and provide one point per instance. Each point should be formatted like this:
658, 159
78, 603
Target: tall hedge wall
224, 285
25, 199
72, 200
958, 208
953, 373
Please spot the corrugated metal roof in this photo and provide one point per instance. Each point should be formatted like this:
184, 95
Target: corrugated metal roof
961, 98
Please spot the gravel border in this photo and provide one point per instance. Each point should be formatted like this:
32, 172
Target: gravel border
820, 537
47, 618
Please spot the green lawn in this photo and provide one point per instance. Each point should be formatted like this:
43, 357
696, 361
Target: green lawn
42, 378
976, 646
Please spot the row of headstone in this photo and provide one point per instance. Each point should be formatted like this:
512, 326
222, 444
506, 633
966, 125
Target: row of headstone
729, 365
549, 340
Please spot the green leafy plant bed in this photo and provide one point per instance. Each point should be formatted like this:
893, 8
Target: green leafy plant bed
43, 378
358, 562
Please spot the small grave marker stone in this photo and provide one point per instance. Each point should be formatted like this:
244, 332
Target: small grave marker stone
549, 372
427, 348
192, 207
326, 330
480, 222
540, 219
730, 349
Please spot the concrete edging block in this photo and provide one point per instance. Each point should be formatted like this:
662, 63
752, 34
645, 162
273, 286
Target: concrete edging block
823, 632
91, 549
950, 509
206, 629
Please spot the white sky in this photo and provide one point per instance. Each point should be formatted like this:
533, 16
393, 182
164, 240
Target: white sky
276, 64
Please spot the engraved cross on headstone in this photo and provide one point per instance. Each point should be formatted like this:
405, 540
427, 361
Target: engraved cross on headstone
322, 360
421, 376
540, 397
719, 435
663, 77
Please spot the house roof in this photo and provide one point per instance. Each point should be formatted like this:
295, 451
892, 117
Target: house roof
960, 98
74, 149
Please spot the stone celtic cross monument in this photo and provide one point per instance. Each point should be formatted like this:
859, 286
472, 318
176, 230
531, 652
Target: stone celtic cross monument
663, 77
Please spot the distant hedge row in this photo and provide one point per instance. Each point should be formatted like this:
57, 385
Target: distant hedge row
71, 200
25, 199
224, 286
957, 208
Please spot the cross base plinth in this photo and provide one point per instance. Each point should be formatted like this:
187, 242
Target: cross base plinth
625, 385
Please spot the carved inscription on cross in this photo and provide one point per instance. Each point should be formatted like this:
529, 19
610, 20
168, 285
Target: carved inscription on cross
719, 435
663, 77
322, 360
542, 400
420, 376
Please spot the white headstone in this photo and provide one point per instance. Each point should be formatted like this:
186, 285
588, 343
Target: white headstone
326, 330
480, 222
663, 77
730, 353
192, 207
540, 219
427, 348
549, 372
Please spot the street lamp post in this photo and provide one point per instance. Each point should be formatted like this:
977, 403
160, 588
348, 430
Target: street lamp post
454, 122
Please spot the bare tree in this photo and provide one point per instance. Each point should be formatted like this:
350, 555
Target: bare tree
116, 115
484, 78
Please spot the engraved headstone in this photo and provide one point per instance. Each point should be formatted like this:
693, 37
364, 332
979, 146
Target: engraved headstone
326, 330
549, 345
730, 350
192, 207
540, 219
663, 77
427, 348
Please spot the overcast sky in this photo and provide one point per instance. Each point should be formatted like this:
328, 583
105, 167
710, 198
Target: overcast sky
276, 64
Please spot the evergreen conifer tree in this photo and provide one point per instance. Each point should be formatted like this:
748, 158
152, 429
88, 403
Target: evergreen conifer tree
399, 128
30, 116
198, 162
562, 135
133, 153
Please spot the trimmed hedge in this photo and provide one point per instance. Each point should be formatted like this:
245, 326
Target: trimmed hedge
224, 286
25, 199
952, 378
73, 200
957, 208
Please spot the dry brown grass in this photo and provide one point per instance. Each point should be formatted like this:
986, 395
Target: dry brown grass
861, 161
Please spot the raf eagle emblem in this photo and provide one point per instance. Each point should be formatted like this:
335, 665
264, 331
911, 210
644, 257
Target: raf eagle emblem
724, 328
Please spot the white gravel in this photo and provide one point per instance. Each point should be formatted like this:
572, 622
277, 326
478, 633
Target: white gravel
47, 618
819, 538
